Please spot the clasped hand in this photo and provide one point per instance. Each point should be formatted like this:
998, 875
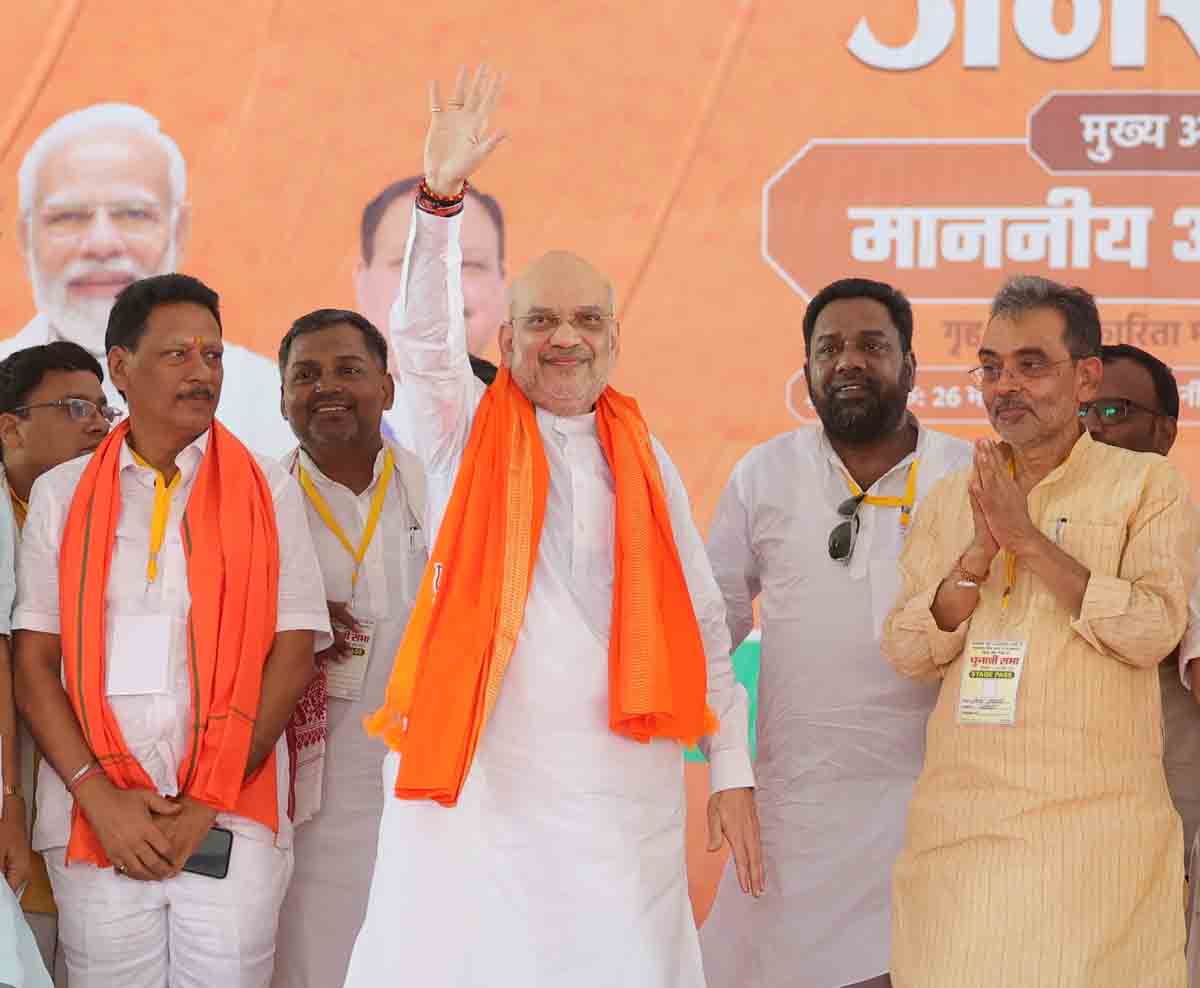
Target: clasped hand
998, 506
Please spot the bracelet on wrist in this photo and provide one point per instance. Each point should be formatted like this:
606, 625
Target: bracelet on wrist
79, 778
964, 578
430, 202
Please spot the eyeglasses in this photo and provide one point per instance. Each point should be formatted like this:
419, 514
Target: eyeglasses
845, 533
584, 320
1109, 411
78, 409
1023, 369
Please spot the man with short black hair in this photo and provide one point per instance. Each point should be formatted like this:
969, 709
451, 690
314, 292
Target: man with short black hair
52, 409
811, 524
365, 500
1043, 587
168, 598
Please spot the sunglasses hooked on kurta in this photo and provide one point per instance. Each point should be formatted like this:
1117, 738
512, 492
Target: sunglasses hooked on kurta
845, 533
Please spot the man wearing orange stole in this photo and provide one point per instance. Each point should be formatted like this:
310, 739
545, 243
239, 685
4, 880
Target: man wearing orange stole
167, 603
568, 639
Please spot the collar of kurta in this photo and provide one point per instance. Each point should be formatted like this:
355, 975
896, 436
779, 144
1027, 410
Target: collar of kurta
187, 461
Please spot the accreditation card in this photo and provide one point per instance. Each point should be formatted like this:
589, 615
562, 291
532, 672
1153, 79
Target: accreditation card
991, 676
345, 678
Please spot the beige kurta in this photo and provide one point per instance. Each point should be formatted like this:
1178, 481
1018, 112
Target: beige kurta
1048, 853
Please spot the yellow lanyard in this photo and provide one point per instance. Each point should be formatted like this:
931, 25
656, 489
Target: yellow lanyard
905, 503
1010, 561
20, 508
162, 508
318, 502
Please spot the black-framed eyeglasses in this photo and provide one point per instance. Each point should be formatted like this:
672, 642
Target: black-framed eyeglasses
1109, 411
845, 532
78, 409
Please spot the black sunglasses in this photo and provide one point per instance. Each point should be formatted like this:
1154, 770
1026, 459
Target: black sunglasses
845, 533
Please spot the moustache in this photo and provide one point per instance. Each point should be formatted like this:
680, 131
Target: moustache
867, 383
207, 393
580, 353
1009, 405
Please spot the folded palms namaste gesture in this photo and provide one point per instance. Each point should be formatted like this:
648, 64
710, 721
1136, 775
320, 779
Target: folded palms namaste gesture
458, 140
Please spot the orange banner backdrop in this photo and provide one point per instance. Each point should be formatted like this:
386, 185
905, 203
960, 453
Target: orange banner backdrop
720, 160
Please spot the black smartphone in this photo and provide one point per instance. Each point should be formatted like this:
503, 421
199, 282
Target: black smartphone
211, 858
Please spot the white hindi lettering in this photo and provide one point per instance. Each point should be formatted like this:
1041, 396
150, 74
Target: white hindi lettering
1187, 218
1062, 234
1189, 392
1125, 130
1189, 130
1036, 25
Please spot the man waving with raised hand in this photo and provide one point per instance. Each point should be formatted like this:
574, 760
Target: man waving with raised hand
568, 640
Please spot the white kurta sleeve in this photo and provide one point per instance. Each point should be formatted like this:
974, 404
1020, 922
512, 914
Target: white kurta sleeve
37, 606
727, 751
302, 595
734, 563
429, 335
8, 562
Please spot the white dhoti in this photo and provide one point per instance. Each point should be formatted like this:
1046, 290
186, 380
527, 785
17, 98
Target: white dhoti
115, 931
563, 864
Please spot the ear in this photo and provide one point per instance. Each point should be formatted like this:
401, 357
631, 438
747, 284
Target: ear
615, 344
24, 240
1168, 426
909, 374
389, 391
10, 431
118, 368
183, 232
505, 338
1088, 374
361, 288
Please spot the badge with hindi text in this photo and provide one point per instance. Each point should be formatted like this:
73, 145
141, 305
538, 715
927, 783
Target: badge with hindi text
346, 677
991, 675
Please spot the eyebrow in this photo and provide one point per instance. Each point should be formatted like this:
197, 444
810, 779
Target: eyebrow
1025, 351
314, 362
130, 196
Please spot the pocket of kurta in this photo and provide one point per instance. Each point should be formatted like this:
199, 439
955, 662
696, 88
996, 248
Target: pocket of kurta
1096, 545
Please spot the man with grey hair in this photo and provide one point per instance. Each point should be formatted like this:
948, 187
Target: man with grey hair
1043, 586
103, 202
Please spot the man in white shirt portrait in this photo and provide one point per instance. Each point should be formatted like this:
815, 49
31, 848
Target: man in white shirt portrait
102, 196
811, 524
383, 236
364, 499
158, 680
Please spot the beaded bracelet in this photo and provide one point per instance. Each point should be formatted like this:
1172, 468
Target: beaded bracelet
430, 202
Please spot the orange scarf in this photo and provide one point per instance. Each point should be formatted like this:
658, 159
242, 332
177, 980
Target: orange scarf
232, 549
464, 628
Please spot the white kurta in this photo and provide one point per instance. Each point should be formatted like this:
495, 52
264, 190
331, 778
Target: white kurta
250, 387
335, 850
563, 865
841, 735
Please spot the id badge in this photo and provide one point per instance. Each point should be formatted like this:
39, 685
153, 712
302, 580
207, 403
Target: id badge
345, 678
991, 677
138, 650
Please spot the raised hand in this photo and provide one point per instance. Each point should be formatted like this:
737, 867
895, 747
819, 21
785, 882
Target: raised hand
459, 140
